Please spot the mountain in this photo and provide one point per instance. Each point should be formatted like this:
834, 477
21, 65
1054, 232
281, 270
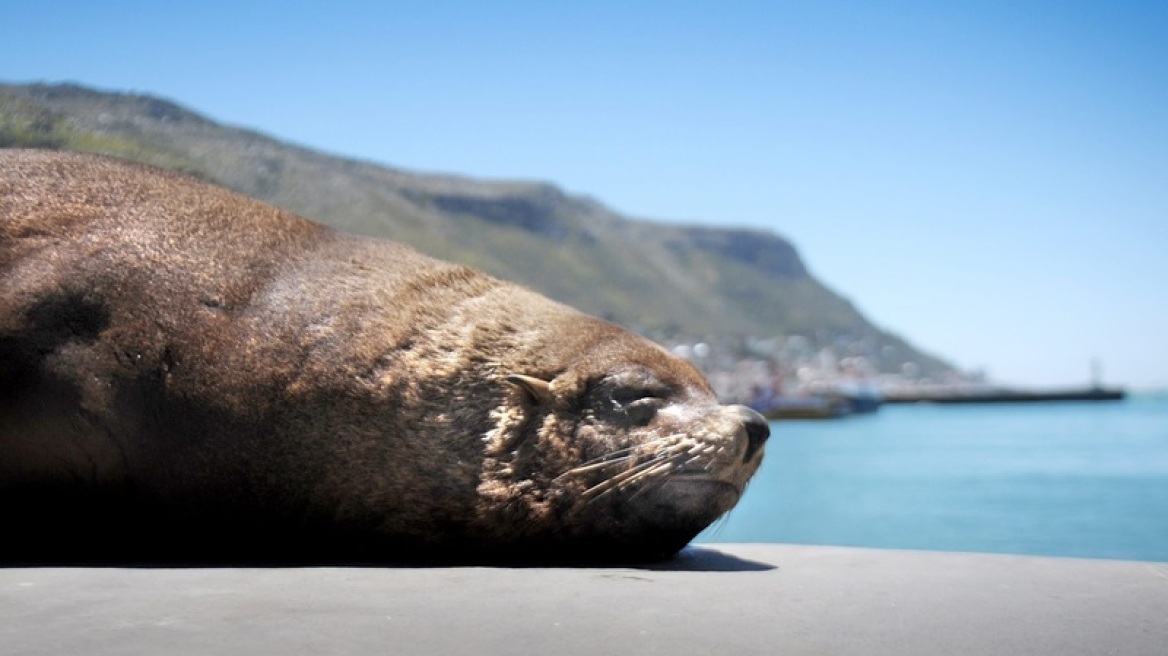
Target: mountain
738, 289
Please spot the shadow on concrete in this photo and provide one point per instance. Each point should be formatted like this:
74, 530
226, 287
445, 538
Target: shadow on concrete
690, 559
705, 559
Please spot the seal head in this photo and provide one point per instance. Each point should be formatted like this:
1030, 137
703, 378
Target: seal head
624, 453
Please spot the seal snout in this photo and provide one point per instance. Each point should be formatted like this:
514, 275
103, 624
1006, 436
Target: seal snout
756, 427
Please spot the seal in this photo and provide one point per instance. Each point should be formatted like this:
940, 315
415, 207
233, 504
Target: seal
186, 373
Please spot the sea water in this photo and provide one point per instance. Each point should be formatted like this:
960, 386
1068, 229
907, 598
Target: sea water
1058, 479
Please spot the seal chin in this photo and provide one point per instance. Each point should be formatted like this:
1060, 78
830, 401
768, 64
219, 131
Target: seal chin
687, 500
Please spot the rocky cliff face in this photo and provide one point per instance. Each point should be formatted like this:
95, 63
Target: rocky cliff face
668, 281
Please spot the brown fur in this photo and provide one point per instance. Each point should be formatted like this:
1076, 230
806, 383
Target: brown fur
188, 373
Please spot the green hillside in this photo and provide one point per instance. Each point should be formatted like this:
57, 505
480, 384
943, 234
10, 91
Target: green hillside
671, 282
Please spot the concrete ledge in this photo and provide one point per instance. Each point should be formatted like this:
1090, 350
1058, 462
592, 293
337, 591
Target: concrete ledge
714, 599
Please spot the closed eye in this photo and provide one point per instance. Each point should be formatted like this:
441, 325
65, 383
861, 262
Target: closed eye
629, 395
642, 412
639, 407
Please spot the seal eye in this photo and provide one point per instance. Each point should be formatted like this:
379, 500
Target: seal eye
638, 404
642, 411
627, 395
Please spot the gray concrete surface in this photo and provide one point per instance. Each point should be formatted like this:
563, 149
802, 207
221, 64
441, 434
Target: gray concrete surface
717, 599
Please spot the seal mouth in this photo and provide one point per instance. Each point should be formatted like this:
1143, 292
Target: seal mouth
701, 478
689, 466
691, 499
704, 481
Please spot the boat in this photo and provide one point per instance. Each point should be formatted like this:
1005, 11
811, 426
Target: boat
803, 407
819, 406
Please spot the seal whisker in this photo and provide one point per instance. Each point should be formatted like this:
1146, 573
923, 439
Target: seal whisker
672, 458
657, 474
619, 456
611, 455
594, 465
649, 473
616, 481
613, 458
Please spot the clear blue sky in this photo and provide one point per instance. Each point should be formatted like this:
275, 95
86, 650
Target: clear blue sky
987, 179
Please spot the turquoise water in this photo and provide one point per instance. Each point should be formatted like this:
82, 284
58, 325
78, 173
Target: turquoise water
1075, 479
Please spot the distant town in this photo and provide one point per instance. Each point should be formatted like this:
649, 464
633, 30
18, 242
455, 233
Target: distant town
792, 377
795, 366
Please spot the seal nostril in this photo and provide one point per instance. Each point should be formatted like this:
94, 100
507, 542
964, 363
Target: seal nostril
757, 430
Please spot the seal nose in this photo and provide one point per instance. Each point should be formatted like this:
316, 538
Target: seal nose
756, 427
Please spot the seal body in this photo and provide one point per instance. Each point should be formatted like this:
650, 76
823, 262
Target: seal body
186, 373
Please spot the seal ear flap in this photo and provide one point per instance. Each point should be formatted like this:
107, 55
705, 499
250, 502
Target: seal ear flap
538, 391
